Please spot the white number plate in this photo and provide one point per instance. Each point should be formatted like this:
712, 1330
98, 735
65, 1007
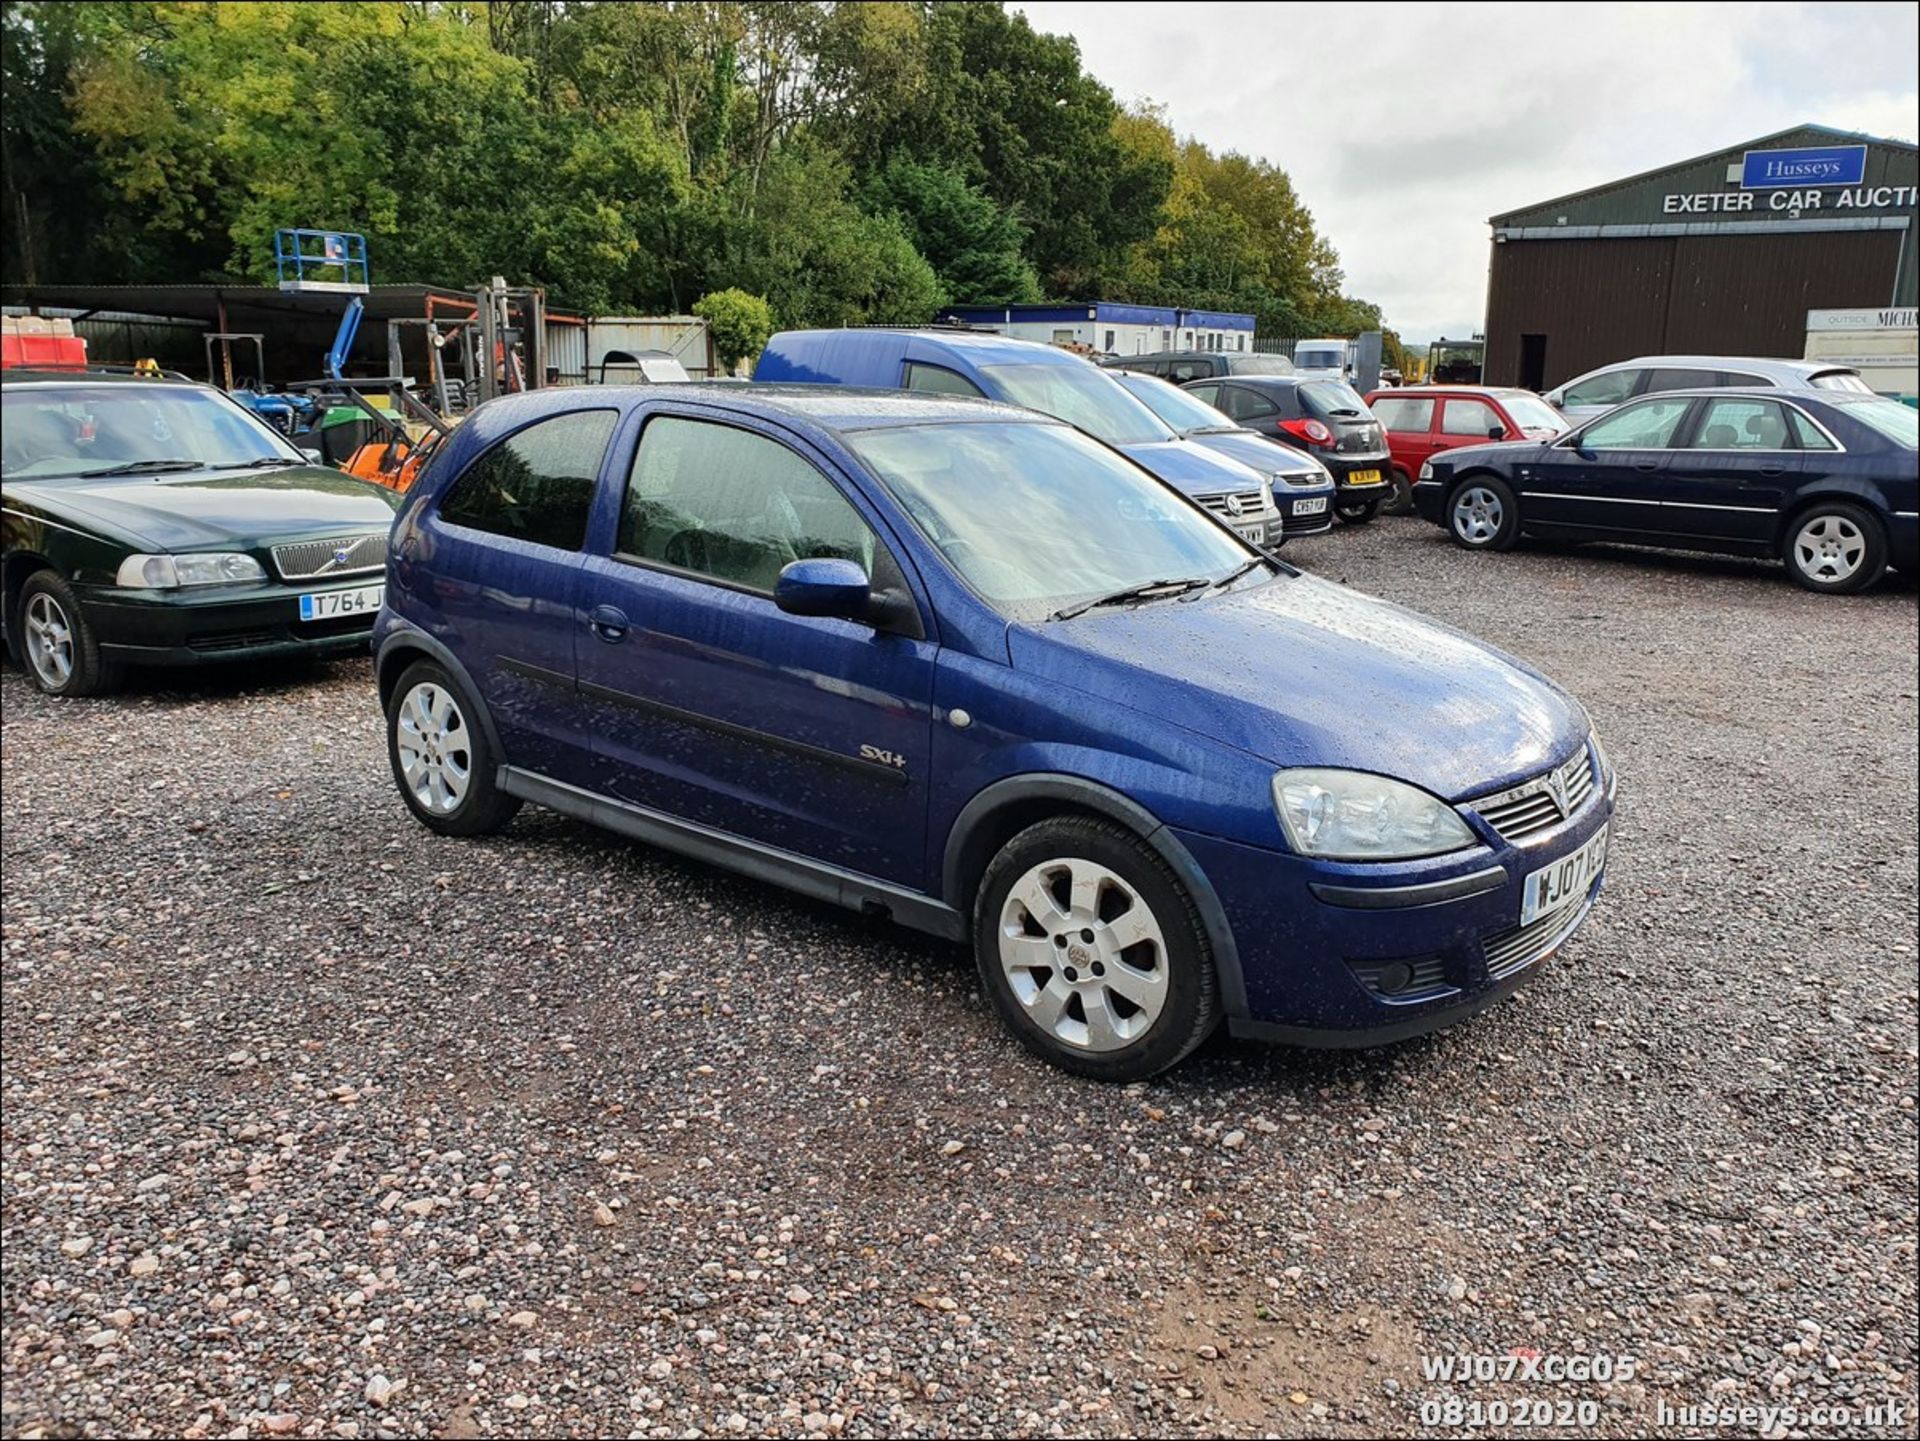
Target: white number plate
1565, 882
332, 604
1312, 505
1255, 533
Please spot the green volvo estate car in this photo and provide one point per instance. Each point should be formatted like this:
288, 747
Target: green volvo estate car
155, 521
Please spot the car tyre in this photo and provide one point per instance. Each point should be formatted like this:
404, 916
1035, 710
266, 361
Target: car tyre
57, 641
1835, 548
1093, 952
1401, 501
1482, 514
1357, 512
440, 756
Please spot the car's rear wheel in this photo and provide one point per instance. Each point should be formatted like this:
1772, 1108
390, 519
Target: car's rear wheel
57, 641
1483, 515
1092, 950
1401, 501
1357, 512
440, 756
1835, 548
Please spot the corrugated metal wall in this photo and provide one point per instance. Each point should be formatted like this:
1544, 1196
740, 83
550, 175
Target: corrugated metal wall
1601, 300
567, 352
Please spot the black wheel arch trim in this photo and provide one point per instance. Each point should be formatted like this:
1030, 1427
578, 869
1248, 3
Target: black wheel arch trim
407, 637
967, 856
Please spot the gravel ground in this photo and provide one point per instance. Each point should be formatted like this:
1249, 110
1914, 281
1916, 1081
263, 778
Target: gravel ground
318, 1125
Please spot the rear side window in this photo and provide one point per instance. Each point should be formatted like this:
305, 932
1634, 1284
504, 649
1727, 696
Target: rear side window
1608, 389
1676, 378
939, 380
537, 484
1208, 394
733, 506
1469, 417
1244, 404
1737, 423
1404, 413
1810, 436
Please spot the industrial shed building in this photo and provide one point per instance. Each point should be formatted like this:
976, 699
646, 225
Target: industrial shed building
1721, 255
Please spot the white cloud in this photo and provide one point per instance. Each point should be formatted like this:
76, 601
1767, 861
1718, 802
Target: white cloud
1404, 126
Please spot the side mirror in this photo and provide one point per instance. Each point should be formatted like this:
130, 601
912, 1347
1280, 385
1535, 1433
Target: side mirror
824, 585
314, 457
1496, 432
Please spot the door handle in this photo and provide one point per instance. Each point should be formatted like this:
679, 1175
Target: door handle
1773, 470
1649, 466
608, 622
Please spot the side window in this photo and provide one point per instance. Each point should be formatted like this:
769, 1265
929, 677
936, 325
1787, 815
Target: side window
939, 380
1810, 436
1737, 423
1181, 371
1735, 377
733, 506
1404, 414
1647, 426
1679, 379
1207, 394
1608, 389
1468, 417
537, 484
1244, 404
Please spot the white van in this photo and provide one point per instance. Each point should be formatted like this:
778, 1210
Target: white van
1324, 359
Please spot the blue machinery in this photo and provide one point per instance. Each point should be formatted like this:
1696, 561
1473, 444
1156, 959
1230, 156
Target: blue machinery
326, 260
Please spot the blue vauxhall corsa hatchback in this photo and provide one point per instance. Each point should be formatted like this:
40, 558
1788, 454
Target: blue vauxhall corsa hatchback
957, 663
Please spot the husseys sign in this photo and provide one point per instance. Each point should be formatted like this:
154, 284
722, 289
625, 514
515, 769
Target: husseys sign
1801, 169
1820, 177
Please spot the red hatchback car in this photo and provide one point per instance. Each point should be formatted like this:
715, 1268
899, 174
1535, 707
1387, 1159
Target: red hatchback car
1423, 420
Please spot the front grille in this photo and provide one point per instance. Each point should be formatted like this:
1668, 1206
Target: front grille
344, 555
1539, 804
1302, 478
231, 640
1252, 506
1516, 949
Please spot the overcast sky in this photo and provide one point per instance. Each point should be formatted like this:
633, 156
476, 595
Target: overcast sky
1404, 126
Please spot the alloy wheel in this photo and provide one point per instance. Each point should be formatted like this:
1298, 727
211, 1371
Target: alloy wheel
1083, 954
1477, 515
436, 757
1829, 549
49, 641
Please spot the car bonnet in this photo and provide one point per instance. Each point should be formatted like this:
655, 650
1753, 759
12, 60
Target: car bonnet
1192, 468
1302, 672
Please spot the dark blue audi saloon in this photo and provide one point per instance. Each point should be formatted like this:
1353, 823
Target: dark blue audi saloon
1827, 481
957, 663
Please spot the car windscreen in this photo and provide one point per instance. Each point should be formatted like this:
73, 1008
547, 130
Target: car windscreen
1080, 394
1333, 400
1036, 517
1179, 409
1331, 357
1530, 412
1899, 423
1841, 380
1260, 365
61, 430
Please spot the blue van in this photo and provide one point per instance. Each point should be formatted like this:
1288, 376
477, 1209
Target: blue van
959, 664
1038, 377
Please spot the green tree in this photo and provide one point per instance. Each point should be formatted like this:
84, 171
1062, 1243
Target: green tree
972, 244
738, 322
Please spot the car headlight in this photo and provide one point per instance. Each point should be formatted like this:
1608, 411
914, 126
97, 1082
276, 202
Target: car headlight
1354, 816
1426, 470
169, 572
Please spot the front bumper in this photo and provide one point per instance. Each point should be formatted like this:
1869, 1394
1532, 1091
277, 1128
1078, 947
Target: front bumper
1429, 500
1290, 499
1314, 972
217, 623
1903, 543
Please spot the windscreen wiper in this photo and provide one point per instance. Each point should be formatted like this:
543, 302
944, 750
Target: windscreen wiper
1229, 578
1146, 590
138, 467
259, 462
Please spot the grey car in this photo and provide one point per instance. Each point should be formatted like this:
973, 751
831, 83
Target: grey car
1586, 396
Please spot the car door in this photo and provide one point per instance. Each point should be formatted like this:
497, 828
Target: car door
1730, 474
803, 733
1409, 421
1254, 410
1466, 420
503, 550
1600, 392
1608, 475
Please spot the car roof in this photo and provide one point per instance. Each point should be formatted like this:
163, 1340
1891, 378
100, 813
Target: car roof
1776, 365
1444, 389
23, 375
981, 347
831, 407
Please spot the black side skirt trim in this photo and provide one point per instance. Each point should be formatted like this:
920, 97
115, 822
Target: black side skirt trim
749, 858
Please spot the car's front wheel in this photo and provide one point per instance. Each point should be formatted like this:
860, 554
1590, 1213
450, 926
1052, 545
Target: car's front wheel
57, 642
1836, 548
441, 759
1483, 515
1093, 951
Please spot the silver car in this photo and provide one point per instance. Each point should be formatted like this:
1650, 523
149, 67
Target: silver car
1586, 396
